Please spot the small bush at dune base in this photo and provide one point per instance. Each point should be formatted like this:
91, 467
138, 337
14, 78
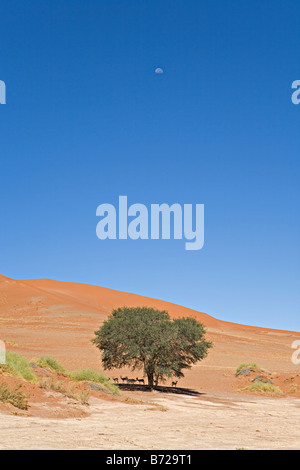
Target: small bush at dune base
252, 366
13, 396
18, 366
68, 390
263, 387
90, 375
51, 363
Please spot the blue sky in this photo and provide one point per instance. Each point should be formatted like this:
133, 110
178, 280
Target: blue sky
87, 120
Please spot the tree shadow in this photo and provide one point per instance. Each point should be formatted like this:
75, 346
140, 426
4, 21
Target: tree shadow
160, 388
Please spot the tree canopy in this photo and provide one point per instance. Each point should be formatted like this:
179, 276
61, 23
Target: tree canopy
146, 338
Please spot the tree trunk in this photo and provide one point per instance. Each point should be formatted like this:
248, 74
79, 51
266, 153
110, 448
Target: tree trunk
150, 381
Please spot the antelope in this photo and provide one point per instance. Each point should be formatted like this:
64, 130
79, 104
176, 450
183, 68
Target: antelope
174, 383
116, 380
131, 381
124, 379
141, 381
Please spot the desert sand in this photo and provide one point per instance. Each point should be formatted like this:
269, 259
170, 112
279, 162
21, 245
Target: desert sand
185, 423
58, 319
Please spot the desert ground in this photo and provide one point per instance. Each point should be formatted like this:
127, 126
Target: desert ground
178, 423
207, 410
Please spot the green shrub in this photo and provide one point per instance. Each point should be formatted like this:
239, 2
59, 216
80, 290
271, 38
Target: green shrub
18, 366
13, 396
51, 363
263, 387
90, 375
248, 365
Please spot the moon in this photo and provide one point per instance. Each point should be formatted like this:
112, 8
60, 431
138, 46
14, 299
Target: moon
159, 70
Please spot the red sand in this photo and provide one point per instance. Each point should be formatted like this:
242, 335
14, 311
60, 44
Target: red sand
58, 319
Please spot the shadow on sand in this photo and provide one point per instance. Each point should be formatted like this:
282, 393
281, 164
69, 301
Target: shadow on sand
160, 388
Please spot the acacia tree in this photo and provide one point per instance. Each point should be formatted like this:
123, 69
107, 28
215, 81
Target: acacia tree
146, 338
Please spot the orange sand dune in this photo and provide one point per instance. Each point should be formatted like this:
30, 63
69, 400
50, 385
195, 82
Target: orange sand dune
46, 317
